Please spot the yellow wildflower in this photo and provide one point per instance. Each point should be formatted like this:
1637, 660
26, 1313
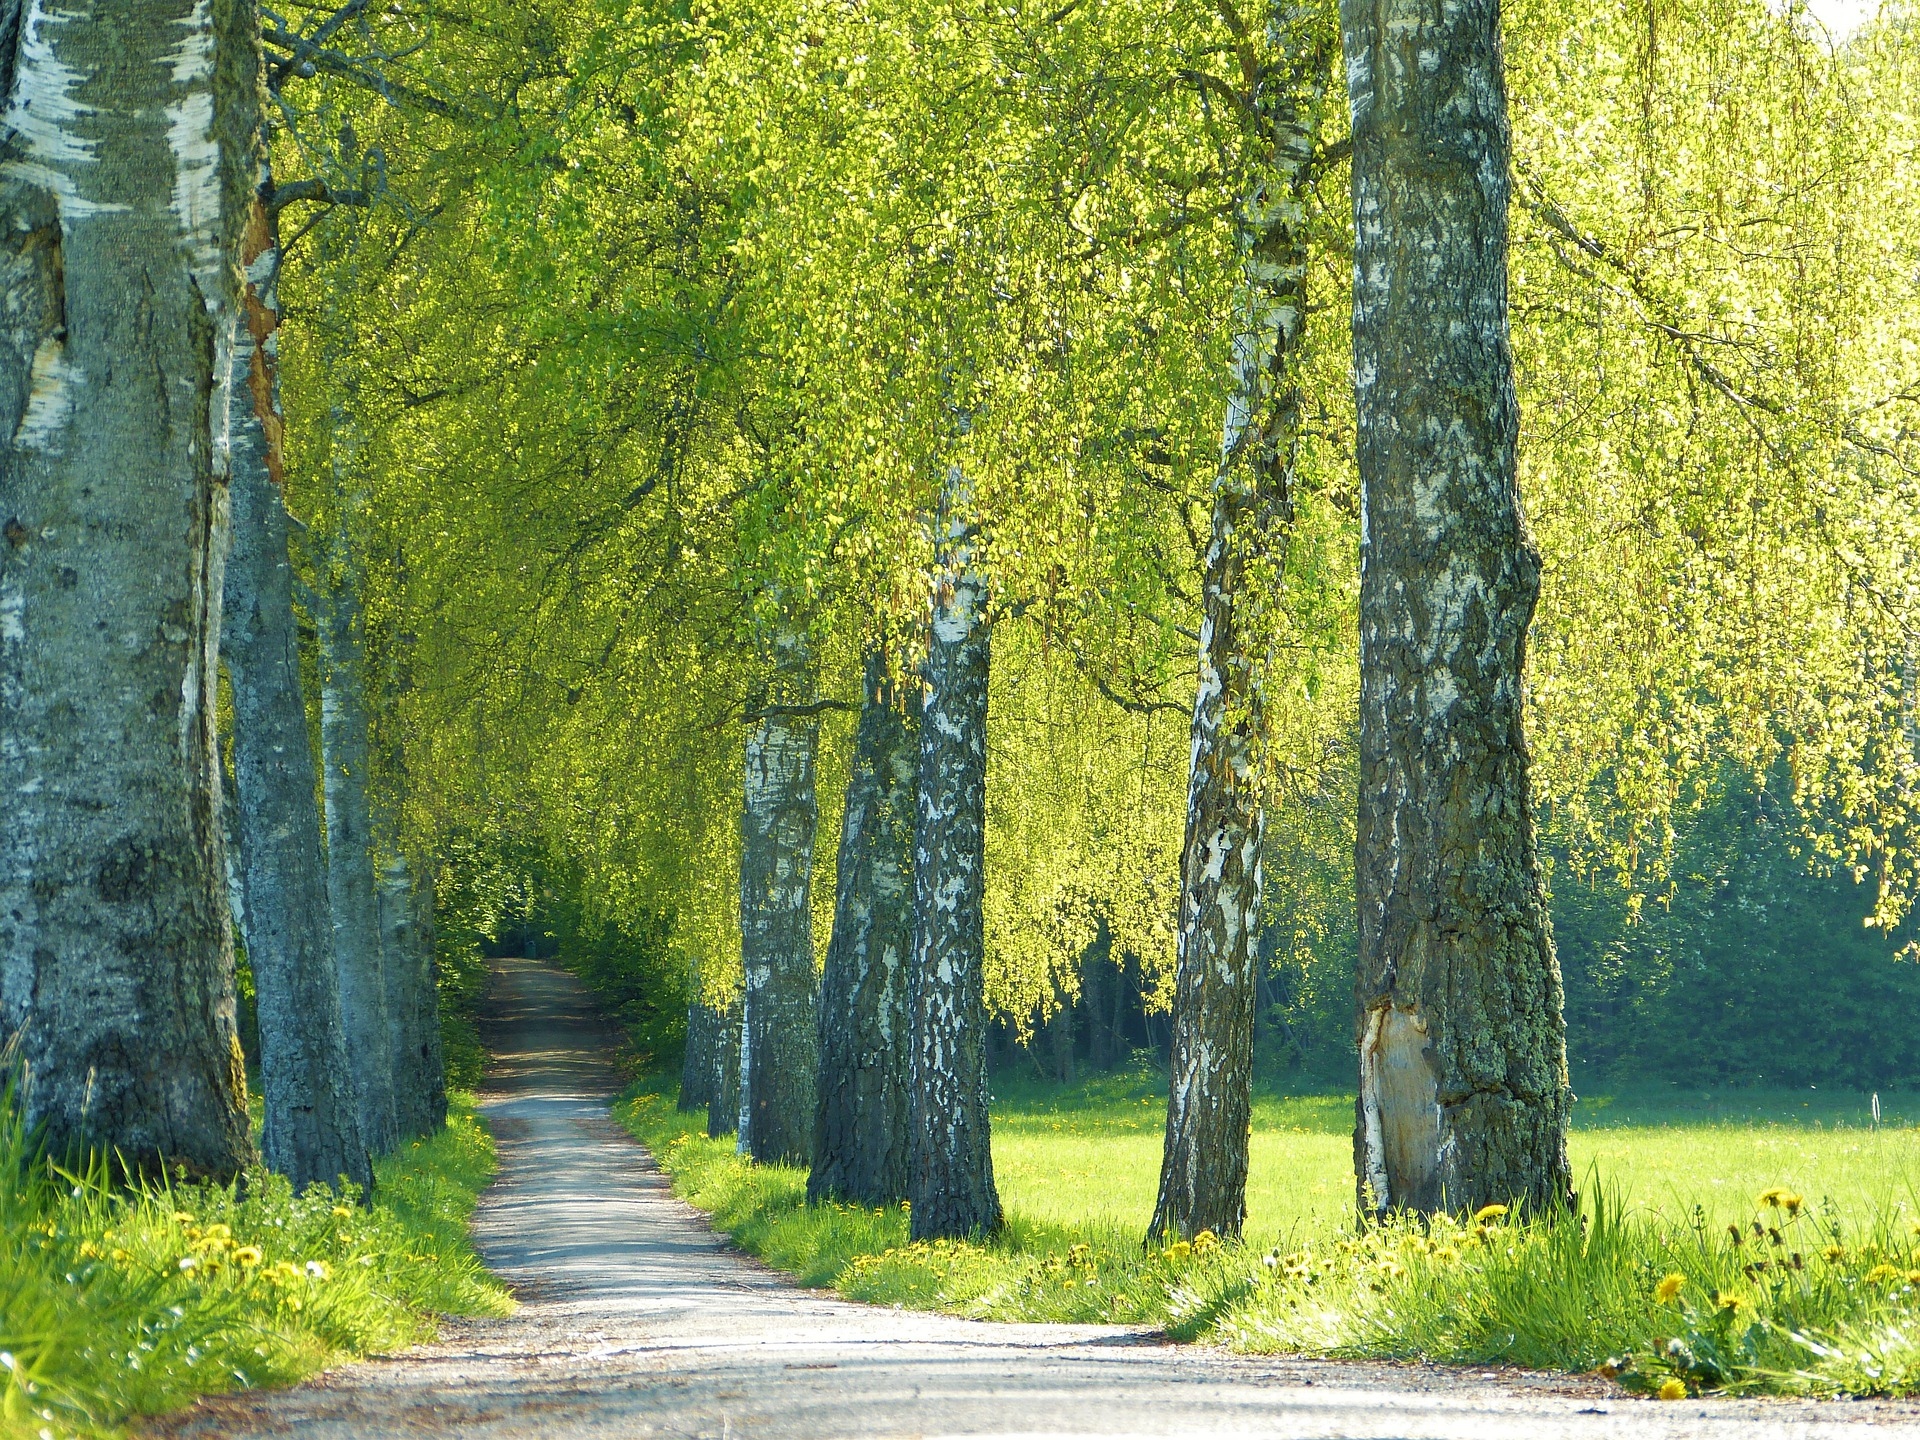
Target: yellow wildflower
1835, 1253
89, 1250
1669, 1289
247, 1255
1673, 1389
1489, 1212
341, 1212
1883, 1272
1205, 1243
181, 1217
1445, 1253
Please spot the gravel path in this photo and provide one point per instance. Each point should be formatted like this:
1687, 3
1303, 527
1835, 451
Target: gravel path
637, 1321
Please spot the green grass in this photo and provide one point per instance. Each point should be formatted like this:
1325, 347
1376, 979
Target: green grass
1829, 1307
116, 1302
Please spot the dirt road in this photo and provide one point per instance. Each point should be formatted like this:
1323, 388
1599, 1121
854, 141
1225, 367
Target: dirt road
637, 1321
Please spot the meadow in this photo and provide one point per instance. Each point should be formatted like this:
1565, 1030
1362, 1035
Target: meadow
118, 1302
1744, 1241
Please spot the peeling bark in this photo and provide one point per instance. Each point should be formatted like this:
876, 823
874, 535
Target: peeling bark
777, 823
127, 164
860, 1118
1203, 1173
312, 1126
1463, 1098
950, 1157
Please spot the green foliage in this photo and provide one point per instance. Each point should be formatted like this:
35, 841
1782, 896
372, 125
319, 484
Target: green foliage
1775, 1292
118, 1302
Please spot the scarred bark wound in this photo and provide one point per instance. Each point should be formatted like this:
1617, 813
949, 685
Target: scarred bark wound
1463, 1097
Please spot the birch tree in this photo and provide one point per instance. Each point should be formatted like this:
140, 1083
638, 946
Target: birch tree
312, 1122
127, 166
347, 756
777, 821
1203, 1175
1463, 1075
861, 1117
950, 1155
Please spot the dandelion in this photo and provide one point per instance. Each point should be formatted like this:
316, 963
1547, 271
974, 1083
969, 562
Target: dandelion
317, 1270
1726, 1300
1446, 1254
1179, 1250
181, 1217
1835, 1253
1489, 1212
247, 1256
1881, 1273
1772, 1199
1669, 1289
341, 1212
1673, 1389
189, 1263
1205, 1243
89, 1250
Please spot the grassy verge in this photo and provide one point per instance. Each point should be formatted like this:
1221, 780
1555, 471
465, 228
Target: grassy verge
1701, 1288
116, 1303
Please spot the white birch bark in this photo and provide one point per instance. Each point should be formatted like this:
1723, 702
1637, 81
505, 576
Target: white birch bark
127, 162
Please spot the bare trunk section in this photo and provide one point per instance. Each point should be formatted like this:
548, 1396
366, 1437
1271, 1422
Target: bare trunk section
1463, 1088
860, 1120
347, 754
950, 1159
312, 1130
1203, 1173
723, 1102
127, 165
777, 822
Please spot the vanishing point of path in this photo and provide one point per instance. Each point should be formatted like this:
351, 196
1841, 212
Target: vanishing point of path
637, 1321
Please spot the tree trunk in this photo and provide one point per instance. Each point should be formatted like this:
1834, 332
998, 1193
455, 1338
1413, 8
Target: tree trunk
126, 168
312, 1130
1203, 1172
950, 1159
777, 822
357, 948
723, 1103
860, 1121
413, 1013
696, 1066
1463, 1075
429, 1056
